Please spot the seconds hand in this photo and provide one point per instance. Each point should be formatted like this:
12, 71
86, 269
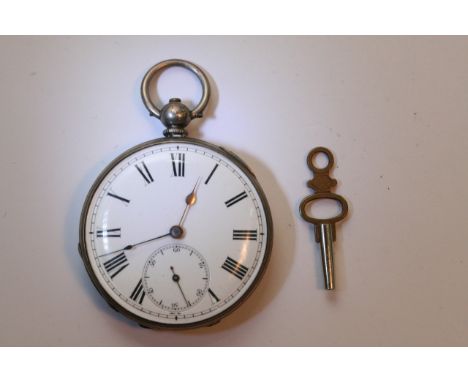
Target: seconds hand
176, 279
131, 246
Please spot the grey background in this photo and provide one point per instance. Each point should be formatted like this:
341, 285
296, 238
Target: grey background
392, 109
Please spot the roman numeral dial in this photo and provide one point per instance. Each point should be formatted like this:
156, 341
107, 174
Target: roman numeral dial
175, 233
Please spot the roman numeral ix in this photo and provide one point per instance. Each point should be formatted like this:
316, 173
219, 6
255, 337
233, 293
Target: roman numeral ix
117, 264
235, 268
235, 199
144, 172
239, 234
138, 293
114, 232
178, 164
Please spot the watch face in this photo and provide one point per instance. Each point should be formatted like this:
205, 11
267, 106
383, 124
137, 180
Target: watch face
175, 233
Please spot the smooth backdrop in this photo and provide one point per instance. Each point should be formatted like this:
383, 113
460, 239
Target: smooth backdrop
393, 110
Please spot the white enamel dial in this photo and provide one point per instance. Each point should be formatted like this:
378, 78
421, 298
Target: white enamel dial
175, 233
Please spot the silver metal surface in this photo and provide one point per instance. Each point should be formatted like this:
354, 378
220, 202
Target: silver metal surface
175, 115
326, 246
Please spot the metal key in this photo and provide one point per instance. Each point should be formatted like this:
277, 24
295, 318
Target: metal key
325, 232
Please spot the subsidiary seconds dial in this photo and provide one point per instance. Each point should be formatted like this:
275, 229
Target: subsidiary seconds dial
176, 277
175, 233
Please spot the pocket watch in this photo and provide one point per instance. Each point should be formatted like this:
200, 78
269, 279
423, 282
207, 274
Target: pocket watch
175, 232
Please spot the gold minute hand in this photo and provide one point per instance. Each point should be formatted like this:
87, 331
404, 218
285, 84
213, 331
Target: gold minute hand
131, 246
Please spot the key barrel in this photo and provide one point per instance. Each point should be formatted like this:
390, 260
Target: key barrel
325, 232
326, 247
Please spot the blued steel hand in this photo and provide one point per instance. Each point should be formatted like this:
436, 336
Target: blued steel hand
132, 246
190, 200
176, 279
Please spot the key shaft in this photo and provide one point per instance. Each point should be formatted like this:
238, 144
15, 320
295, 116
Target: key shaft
326, 247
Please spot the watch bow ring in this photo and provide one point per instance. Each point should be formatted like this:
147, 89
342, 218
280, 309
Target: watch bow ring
175, 115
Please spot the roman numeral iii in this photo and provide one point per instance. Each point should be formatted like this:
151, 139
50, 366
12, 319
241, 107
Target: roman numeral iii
235, 268
114, 232
138, 293
178, 164
116, 265
239, 234
144, 172
236, 199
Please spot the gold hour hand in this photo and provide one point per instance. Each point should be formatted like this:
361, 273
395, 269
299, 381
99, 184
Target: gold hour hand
190, 200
